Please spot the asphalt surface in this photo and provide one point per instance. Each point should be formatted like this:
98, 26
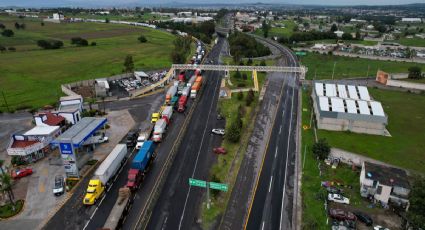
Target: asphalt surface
74, 215
272, 207
178, 204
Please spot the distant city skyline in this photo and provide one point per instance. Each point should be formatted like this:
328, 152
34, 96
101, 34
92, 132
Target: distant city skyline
100, 3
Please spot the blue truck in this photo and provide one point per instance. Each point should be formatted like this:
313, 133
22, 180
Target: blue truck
140, 164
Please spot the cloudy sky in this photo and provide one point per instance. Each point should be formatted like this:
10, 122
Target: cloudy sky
44, 3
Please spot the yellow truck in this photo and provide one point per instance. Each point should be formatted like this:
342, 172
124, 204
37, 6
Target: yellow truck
155, 117
104, 174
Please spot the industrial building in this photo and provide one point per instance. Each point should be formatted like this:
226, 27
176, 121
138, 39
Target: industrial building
341, 107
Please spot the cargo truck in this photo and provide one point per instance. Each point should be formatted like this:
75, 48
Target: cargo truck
170, 94
195, 89
140, 165
155, 117
167, 114
119, 210
180, 88
182, 104
174, 101
181, 77
191, 81
104, 174
159, 130
144, 134
186, 91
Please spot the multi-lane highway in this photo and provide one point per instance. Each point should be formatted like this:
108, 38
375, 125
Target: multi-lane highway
272, 203
178, 205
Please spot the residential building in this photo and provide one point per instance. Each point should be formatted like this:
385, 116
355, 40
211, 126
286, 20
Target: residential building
384, 184
411, 20
70, 107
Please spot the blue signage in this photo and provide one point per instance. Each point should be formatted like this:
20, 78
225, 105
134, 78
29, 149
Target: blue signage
66, 148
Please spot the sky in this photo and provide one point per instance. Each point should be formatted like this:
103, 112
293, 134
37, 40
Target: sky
89, 3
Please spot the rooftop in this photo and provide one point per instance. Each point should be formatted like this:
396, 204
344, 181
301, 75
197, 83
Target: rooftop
53, 119
81, 131
22, 143
41, 130
386, 175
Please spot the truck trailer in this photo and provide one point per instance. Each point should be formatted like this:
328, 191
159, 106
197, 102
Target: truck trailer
170, 94
119, 210
182, 104
144, 134
140, 165
167, 114
159, 130
103, 175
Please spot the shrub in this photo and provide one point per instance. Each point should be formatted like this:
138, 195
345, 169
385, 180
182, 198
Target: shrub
237, 75
2, 48
234, 132
11, 49
321, 149
93, 44
53, 44
263, 63
249, 97
244, 76
249, 62
7, 33
142, 39
240, 96
79, 41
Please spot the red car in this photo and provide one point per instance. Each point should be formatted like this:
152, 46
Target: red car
19, 173
219, 150
340, 214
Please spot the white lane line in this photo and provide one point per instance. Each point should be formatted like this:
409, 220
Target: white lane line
286, 163
262, 226
197, 157
270, 185
280, 129
275, 152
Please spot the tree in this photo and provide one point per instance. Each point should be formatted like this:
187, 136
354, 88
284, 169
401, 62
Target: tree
42, 23
107, 20
347, 36
93, 43
79, 41
265, 27
11, 48
249, 97
358, 36
2, 48
240, 95
17, 26
128, 64
142, 39
334, 28
7, 33
415, 72
6, 185
321, 149
234, 132
237, 75
2, 26
416, 214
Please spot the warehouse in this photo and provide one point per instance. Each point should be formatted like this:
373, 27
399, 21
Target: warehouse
347, 108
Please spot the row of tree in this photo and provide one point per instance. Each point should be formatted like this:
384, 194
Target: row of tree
50, 44
243, 45
204, 31
181, 49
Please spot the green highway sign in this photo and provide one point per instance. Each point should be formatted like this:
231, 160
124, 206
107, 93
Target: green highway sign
197, 183
219, 186
300, 53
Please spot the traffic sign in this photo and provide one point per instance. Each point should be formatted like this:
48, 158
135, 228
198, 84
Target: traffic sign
219, 186
197, 183
301, 53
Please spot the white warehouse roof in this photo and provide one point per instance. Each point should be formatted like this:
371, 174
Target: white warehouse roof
41, 130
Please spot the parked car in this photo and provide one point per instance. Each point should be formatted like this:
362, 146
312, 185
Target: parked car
340, 214
337, 198
379, 227
218, 131
219, 150
334, 190
131, 138
19, 173
363, 217
59, 186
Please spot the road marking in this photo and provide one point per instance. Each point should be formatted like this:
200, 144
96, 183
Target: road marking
197, 157
271, 181
286, 163
262, 226
280, 129
275, 153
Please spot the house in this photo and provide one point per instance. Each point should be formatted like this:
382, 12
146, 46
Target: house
49, 119
417, 20
339, 33
385, 184
70, 107
101, 87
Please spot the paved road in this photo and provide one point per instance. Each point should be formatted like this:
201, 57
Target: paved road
178, 204
273, 200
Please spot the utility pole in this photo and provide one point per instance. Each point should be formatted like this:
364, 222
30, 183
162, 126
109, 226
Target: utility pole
208, 195
4, 98
333, 71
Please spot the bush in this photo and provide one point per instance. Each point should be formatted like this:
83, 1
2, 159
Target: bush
321, 149
79, 41
7, 33
17, 161
240, 96
142, 39
263, 63
249, 62
249, 97
11, 49
415, 72
234, 132
93, 43
2, 48
53, 44
237, 75
244, 76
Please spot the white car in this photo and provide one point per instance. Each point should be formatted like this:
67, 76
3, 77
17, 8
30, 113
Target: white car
218, 131
338, 198
59, 186
379, 227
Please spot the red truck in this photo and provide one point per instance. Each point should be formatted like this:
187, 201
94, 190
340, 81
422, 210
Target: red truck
182, 104
134, 179
181, 77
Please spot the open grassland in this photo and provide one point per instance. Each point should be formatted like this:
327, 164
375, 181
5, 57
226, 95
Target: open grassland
279, 29
415, 41
321, 65
32, 76
406, 147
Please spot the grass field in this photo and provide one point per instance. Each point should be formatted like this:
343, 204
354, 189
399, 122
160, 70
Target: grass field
279, 31
415, 41
348, 67
130, 17
421, 81
406, 147
31, 76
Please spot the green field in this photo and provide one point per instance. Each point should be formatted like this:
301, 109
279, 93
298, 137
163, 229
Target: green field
415, 41
32, 76
406, 147
278, 31
130, 17
348, 67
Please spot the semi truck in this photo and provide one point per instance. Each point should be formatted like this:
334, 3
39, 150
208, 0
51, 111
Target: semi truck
167, 113
140, 165
159, 130
195, 88
104, 174
182, 104
186, 91
144, 133
174, 101
155, 117
191, 81
180, 88
119, 210
181, 76
170, 94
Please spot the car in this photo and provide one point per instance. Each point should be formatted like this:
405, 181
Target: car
363, 217
19, 173
131, 138
218, 131
379, 227
340, 214
59, 186
219, 150
219, 117
337, 198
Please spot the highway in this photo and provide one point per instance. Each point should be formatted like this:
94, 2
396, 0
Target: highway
178, 204
272, 206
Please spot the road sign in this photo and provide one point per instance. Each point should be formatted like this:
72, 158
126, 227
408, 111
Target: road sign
219, 186
197, 183
299, 53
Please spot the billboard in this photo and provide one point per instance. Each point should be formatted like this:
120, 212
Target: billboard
69, 159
